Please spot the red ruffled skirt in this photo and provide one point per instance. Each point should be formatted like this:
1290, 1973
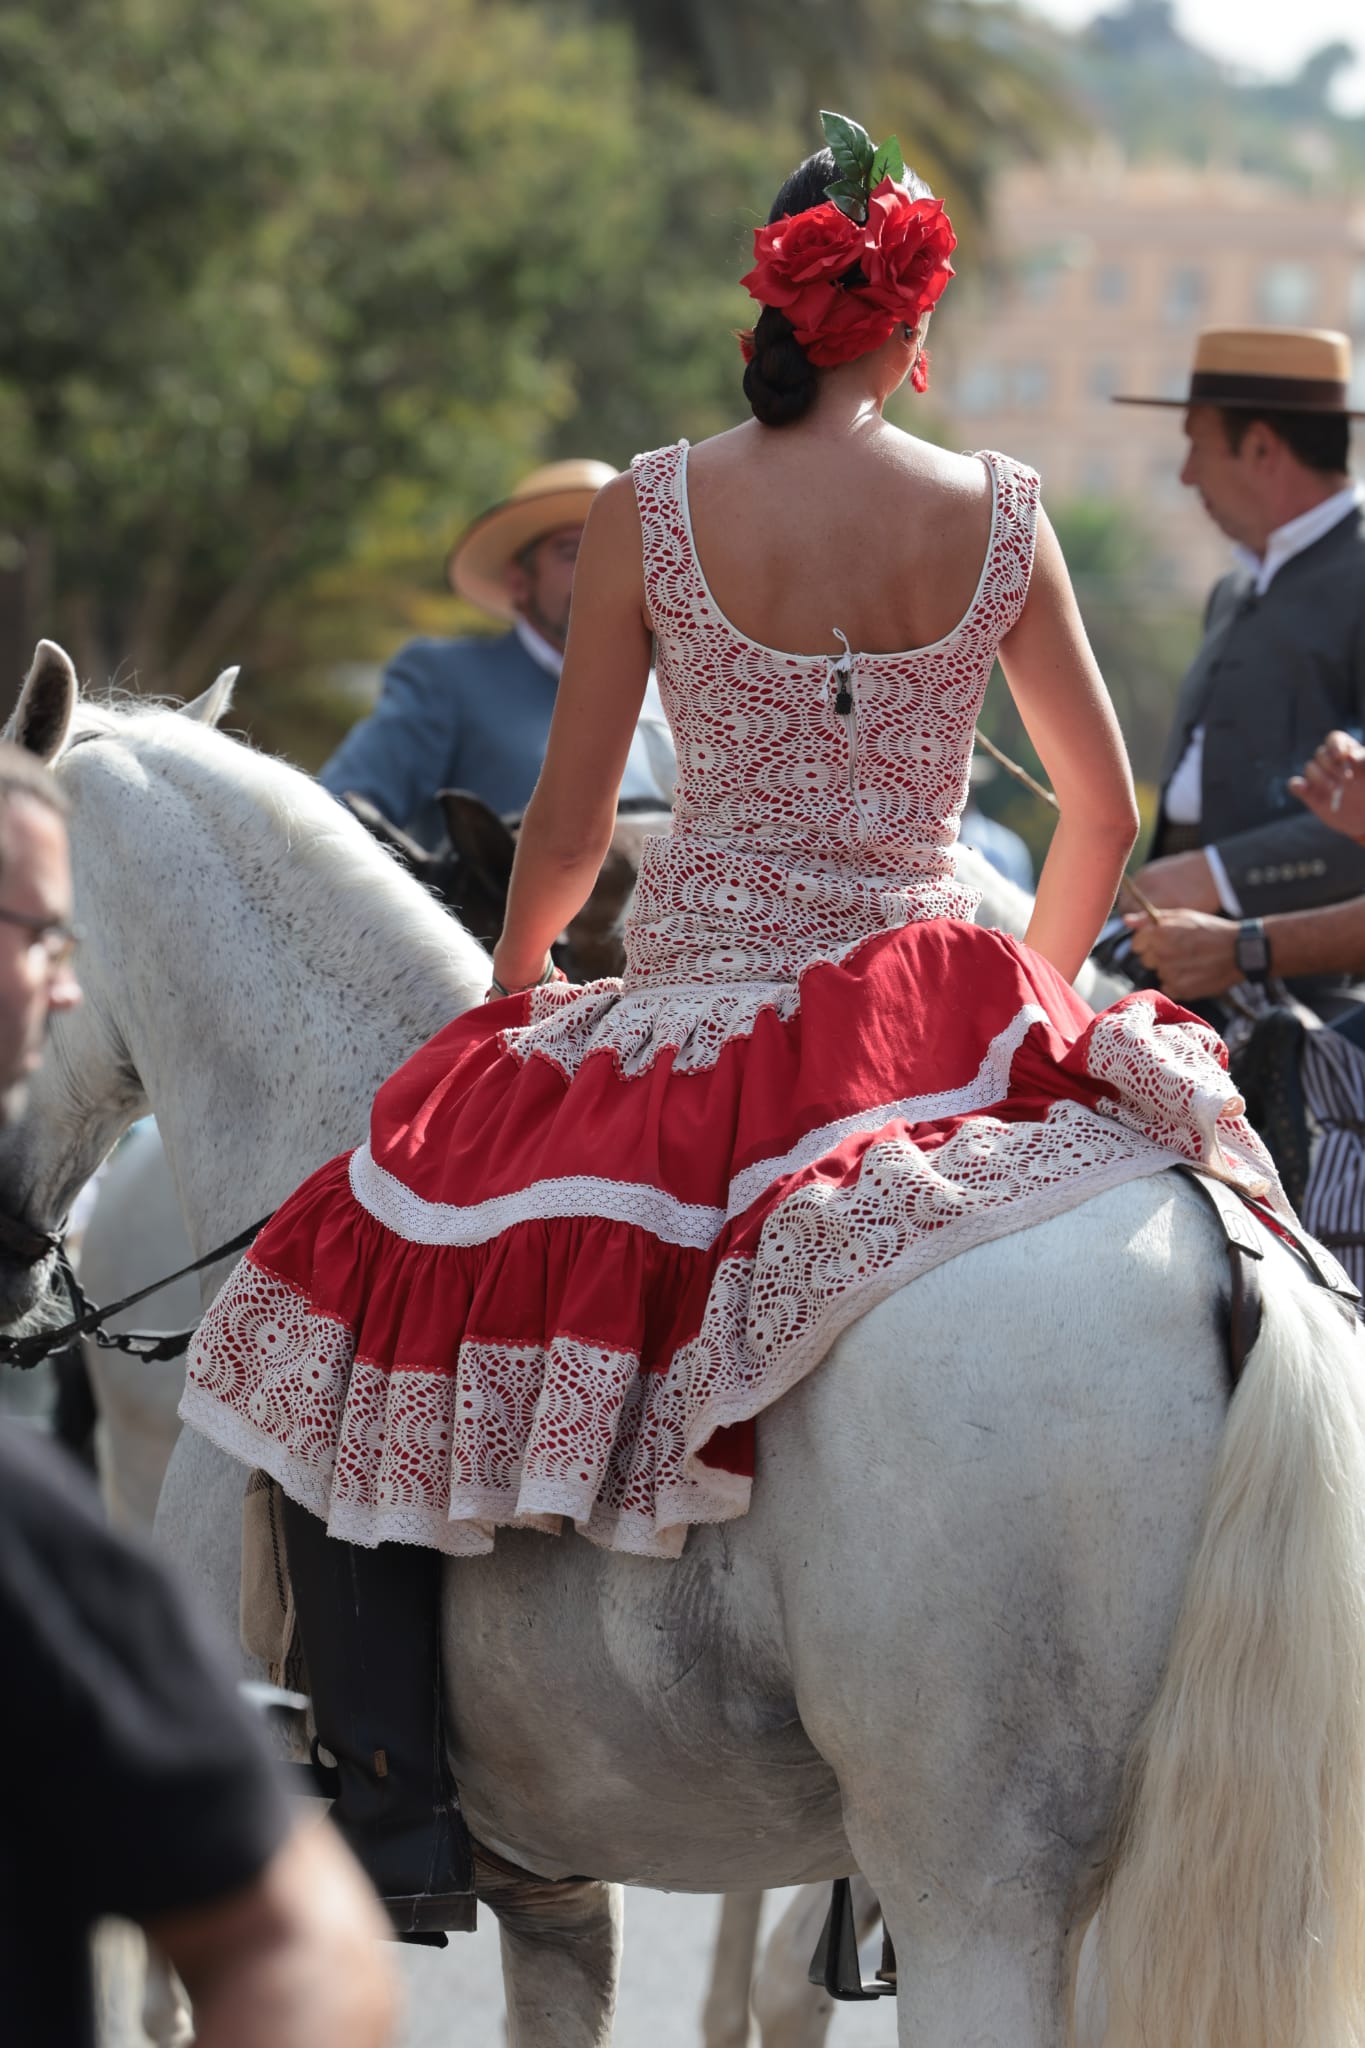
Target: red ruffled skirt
595, 1233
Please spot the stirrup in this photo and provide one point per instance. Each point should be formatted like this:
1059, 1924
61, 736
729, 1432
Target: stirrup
453, 1913
835, 1966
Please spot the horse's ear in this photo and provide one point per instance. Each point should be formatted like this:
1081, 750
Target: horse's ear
212, 708
478, 834
42, 718
414, 857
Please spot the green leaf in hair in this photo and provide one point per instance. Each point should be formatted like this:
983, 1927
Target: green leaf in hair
850, 145
861, 163
849, 198
887, 163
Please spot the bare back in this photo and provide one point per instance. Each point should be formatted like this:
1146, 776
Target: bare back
799, 530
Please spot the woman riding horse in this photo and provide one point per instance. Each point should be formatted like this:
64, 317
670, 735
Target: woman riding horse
594, 1233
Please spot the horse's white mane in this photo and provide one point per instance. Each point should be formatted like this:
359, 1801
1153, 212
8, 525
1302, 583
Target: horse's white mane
265, 813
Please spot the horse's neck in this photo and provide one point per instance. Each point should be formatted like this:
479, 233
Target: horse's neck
261, 1004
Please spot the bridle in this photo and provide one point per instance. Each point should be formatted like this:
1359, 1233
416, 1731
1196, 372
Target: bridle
29, 1247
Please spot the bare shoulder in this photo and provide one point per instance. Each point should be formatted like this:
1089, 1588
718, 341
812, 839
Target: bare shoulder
615, 509
965, 478
612, 532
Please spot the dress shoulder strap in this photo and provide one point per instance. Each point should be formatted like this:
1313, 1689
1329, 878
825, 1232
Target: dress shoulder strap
669, 563
1014, 534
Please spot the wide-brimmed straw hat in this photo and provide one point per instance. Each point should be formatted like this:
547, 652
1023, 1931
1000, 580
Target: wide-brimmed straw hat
1267, 369
558, 495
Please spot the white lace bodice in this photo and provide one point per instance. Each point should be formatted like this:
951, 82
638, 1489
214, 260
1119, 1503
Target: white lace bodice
800, 829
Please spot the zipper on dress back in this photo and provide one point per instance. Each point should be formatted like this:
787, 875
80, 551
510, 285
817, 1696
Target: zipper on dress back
841, 677
845, 705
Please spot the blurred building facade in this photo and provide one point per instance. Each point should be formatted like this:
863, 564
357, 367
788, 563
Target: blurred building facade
1104, 272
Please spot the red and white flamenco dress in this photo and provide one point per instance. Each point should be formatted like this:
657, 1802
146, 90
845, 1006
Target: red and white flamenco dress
595, 1232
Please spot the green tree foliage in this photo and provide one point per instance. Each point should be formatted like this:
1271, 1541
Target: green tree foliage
295, 287
966, 84
283, 277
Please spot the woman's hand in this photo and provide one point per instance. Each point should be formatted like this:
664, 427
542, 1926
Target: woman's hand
509, 979
1333, 784
1192, 955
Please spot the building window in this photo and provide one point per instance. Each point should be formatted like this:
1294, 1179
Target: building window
1103, 380
1032, 385
980, 388
1184, 293
1286, 293
1038, 272
1097, 475
1357, 313
1111, 285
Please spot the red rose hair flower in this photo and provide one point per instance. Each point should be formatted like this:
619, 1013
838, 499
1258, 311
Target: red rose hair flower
845, 285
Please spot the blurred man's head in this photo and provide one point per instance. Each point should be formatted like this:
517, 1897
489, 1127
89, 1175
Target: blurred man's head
1268, 417
540, 582
517, 560
37, 944
1255, 471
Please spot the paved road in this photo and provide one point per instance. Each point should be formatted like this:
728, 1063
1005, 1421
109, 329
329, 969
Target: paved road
455, 1998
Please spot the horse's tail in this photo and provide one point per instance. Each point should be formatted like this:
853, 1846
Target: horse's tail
1233, 1912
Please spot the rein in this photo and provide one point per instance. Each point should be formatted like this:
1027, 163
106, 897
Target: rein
89, 1318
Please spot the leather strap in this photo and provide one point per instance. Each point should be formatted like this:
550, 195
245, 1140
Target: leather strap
1246, 1236
1245, 1252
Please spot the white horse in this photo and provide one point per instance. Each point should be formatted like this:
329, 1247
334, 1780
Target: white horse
1024, 1619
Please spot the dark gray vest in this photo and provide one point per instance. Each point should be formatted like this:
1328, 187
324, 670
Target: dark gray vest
1273, 676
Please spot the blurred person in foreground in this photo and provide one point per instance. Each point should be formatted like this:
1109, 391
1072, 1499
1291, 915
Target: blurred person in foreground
134, 1784
474, 713
1267, 420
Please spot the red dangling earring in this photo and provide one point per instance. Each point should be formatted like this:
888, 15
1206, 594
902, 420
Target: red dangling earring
919, 376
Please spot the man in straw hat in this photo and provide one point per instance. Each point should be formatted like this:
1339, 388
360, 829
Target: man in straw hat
1282, 662
474, 713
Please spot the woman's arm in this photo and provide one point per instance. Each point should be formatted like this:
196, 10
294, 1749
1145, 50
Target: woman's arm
569, 821
1056, 684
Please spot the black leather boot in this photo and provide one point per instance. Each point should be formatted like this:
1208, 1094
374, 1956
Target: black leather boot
369, 1622
1268, 1075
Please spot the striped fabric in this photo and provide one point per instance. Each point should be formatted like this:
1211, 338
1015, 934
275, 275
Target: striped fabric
1334, 1201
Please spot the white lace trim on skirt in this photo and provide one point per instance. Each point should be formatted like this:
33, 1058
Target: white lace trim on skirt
523, 1435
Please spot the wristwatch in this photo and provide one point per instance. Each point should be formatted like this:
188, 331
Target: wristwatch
1251, 950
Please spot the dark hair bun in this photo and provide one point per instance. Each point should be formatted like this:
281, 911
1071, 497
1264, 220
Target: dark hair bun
779, 379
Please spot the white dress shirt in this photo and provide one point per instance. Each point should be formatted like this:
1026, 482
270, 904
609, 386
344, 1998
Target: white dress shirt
651, 749
1185, 790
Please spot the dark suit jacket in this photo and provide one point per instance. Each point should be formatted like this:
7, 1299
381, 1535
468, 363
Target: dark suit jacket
1274, 675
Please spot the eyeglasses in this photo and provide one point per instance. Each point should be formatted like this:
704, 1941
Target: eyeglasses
57, 938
